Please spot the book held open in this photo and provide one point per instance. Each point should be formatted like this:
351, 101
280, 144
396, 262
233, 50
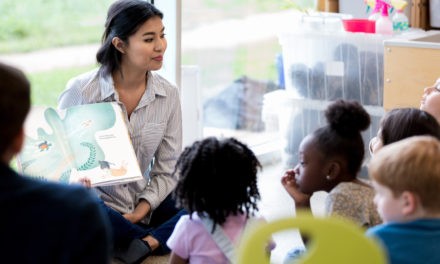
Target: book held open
89, 140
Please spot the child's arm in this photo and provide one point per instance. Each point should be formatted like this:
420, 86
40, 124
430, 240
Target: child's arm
302, 200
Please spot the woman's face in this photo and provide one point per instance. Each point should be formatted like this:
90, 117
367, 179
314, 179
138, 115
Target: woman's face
310, 170
431, 100
146, 47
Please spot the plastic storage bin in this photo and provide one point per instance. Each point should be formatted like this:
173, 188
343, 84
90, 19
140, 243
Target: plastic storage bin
321, 67
296, 118
329, 66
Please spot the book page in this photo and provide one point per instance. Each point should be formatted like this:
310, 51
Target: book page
99, 146
45, 154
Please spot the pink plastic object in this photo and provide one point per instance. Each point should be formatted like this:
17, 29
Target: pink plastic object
359, 25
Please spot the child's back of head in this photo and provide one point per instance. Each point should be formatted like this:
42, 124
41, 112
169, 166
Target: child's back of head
402, 123
14, 104
217, 178
411, 164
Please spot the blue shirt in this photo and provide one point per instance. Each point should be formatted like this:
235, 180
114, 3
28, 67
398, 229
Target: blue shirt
410, 242
45, 222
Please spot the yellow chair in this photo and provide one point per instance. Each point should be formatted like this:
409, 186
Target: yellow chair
331, 240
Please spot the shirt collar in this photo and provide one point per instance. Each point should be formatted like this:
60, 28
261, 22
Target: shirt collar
154, 87
156, 84
107, 86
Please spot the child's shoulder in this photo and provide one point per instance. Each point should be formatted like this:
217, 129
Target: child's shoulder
193, 219
359, 186
351, 193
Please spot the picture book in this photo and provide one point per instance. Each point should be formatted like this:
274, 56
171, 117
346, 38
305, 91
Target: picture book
84, 141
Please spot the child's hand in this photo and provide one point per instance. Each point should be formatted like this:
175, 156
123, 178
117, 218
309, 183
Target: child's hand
289, 183
85, 182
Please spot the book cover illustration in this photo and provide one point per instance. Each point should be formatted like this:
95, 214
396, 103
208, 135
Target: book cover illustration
82, 141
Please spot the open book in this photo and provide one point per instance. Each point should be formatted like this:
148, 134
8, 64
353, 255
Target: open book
81, 141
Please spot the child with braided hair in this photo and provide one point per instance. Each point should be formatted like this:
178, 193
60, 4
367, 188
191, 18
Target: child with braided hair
217, 185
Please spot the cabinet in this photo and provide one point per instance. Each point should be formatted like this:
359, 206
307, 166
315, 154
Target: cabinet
409, 66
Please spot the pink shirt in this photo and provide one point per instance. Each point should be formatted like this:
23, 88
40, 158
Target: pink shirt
190, 239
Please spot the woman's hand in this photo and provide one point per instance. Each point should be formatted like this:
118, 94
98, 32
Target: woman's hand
85, 182
289, 183
141, 210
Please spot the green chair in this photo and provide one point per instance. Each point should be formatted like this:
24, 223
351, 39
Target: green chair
331, 240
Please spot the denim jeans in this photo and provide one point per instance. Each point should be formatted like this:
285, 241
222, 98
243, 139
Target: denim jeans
163, 221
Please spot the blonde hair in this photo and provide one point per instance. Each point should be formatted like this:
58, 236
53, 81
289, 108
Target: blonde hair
411, 164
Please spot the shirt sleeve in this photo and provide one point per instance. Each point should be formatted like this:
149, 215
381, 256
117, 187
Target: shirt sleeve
71, 96
177, 242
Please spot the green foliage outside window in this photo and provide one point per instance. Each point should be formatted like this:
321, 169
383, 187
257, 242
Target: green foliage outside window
27, 25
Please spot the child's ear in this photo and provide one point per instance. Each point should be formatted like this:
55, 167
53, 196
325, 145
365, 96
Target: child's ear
119, 44
409, 203
17, 142
333, 170
15, 147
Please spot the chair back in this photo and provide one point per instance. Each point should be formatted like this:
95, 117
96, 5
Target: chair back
331, 240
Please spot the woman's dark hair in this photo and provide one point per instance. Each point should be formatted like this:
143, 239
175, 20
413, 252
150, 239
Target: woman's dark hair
217, 178
401, 123
124, 18
342, 136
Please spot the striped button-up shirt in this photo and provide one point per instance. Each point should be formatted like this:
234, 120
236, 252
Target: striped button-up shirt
155, 128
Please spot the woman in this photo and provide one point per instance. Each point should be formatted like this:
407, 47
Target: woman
142, 213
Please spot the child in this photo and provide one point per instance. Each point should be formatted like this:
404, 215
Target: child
217, 183
42, 222
329, 160
401, 123
431, 100
406, 177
